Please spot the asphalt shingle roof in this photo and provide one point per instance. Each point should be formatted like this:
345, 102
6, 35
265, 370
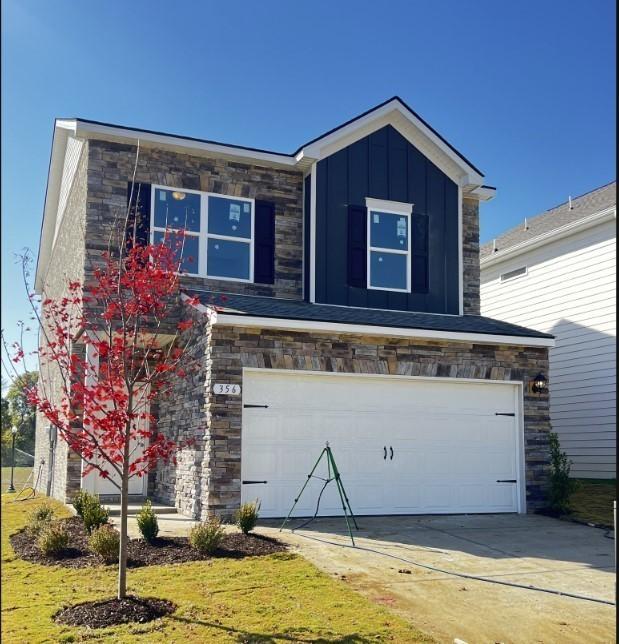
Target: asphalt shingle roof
557, 217
255, 306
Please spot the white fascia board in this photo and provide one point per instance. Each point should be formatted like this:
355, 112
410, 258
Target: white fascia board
114, 133
223, 319
388, 114
483, 193
62, 130
553, 235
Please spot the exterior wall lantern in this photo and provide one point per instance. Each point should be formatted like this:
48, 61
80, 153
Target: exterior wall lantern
539, 384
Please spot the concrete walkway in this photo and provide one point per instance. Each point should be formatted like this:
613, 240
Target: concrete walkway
528, 550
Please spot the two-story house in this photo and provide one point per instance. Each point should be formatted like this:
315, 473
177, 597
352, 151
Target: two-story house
351, 274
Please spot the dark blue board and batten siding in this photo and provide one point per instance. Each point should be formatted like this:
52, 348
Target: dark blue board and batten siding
384, 165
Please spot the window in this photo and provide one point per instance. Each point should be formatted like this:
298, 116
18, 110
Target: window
518, 272
230, 228
389, 247
219, 231
176, 210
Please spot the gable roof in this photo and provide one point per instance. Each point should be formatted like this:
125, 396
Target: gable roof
554, 220
477, 328
393, 112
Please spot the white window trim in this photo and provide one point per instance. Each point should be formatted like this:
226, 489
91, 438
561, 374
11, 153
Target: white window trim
204, 235
390, 208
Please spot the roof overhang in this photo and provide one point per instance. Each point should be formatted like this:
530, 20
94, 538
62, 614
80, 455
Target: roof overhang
259, 322
62, 130
392, 112
608, 214
396, 113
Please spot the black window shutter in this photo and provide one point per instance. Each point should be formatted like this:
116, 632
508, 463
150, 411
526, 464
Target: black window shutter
264, 242
419, 250
357, 246
138, 222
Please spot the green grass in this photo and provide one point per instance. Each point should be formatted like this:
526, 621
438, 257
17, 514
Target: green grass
593, 501
19, 477
279, 598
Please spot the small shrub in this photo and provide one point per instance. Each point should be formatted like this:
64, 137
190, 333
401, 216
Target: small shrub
247, 516
147, 522
80, 500
53, 539
206, 536
561, 485
94, 515
40, 518
105, 542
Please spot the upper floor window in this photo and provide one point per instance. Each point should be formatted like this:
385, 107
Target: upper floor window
218, 241
389, 247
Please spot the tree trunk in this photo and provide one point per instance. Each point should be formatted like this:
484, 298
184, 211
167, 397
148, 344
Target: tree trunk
124, 509
122, 555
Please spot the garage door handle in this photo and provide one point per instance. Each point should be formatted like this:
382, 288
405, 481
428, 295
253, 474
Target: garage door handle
506, 481
385, 455
252, 482
391, 455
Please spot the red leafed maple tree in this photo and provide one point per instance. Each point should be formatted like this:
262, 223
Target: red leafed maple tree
112, 347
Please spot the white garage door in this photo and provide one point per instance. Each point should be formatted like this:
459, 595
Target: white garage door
403, 446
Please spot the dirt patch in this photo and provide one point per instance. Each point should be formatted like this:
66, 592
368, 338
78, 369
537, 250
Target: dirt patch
111, 612
166, 550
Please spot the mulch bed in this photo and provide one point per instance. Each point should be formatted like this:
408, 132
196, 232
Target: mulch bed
111, 612
164, 550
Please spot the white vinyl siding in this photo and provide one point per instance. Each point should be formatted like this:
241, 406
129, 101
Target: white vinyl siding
569, 291
71, 161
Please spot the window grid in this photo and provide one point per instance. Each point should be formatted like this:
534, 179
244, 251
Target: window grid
394, 251
204, 235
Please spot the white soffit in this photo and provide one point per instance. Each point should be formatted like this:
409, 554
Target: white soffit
394, 113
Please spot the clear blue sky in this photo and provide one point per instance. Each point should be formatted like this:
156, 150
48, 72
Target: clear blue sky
526, 90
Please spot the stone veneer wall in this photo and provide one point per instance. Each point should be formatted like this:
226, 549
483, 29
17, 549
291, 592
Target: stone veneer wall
182, 416
66, 263
110, 168
207, 480
470, 256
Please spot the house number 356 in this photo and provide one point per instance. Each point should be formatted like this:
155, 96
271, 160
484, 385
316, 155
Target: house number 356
227, 388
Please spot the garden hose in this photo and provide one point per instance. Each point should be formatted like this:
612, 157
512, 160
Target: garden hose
463, 575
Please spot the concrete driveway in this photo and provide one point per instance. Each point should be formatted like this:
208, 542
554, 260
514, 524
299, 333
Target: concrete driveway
528, 550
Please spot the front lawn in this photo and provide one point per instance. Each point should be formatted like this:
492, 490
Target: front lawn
275, 598
593, 501
19, 477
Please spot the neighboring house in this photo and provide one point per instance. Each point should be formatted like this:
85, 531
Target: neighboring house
351, 269
556, 272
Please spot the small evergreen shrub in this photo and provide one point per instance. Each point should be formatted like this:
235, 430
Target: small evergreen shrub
247, 516
147, 522
94, 515
40, 518
206, 536
53, 539
80, 500
105, 542
561, 485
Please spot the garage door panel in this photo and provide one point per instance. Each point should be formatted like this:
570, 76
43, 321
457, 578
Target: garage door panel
449, 447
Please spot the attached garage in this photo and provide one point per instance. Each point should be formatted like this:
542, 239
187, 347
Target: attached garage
404, 445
